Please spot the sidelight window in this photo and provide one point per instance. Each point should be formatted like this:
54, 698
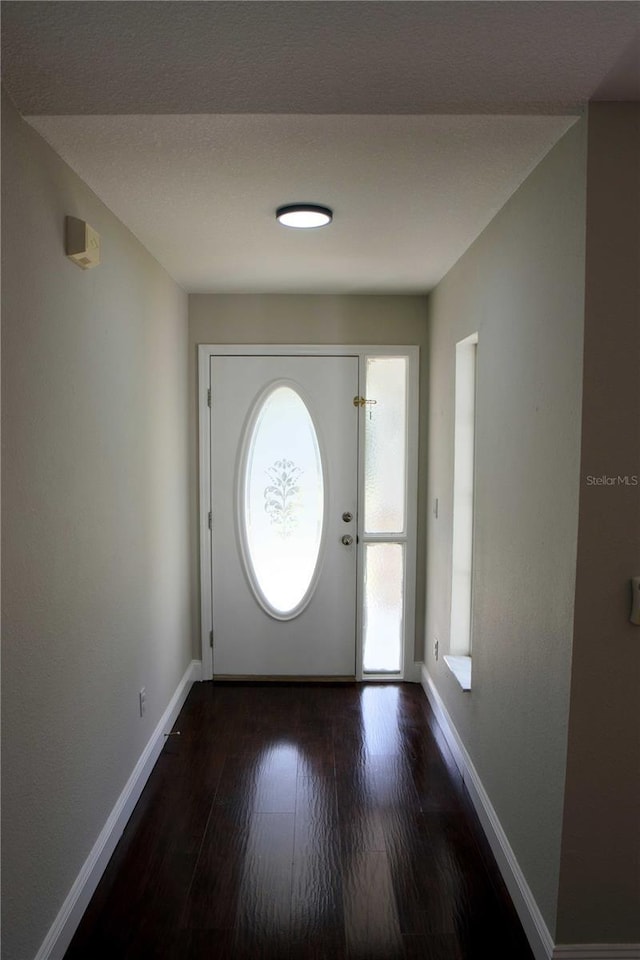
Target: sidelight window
385, 513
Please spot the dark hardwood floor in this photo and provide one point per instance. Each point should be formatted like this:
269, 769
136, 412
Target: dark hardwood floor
302, 821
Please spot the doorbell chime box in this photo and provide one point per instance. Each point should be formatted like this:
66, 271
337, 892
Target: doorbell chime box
82, 243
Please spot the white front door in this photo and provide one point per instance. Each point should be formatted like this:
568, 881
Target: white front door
284, 459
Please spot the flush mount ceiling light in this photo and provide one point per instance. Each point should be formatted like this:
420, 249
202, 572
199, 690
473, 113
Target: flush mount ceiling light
304, 215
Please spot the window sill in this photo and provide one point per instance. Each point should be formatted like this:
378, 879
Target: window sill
461, 669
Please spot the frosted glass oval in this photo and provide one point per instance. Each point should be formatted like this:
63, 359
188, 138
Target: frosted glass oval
282, 502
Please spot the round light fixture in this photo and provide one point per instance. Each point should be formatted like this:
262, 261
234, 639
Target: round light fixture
304, 215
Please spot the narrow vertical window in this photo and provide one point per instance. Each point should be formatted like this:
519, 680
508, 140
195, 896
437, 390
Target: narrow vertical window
384, 607
385, 443
463, 489
385, 513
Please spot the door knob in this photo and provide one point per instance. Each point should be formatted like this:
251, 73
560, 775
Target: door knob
347, 540
347, 517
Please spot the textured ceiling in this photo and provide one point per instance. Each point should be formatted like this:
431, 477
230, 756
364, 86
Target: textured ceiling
409, 193
313, 57
415, 120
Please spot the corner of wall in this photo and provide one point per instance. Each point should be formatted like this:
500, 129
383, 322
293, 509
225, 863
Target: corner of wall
599, 894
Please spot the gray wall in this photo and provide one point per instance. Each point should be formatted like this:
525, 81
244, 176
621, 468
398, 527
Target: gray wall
521, 286
308, 319
600, 875
95, 554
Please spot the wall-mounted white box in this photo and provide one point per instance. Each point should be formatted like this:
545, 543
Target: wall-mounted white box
82, 243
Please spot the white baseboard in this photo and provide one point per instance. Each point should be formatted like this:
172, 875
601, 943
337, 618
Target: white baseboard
56, 942
597, 951
536, 930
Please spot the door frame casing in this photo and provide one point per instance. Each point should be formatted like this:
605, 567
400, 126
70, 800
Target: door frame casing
411, 669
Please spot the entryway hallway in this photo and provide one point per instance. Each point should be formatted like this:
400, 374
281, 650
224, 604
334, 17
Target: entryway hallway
290, 821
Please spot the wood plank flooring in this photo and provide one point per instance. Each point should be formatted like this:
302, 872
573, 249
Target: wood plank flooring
302, 822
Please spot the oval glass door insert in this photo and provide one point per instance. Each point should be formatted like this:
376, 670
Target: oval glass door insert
282, 502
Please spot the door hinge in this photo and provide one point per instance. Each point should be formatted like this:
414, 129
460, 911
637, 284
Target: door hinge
211, 639
209, 397
210, 520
